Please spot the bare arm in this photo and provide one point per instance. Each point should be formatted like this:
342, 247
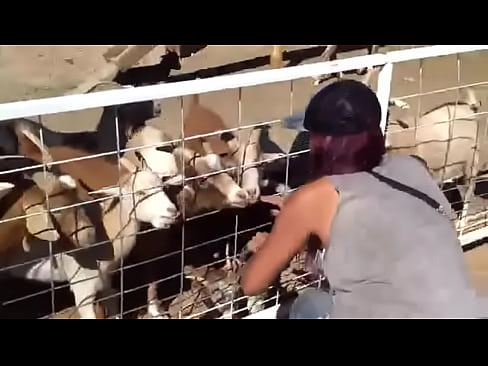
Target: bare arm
309, 210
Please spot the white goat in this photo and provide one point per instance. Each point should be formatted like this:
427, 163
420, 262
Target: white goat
447, 138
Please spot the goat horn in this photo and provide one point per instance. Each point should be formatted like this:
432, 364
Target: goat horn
6, 185
45, 181
24, 130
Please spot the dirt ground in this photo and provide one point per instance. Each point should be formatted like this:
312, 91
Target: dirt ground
28, 72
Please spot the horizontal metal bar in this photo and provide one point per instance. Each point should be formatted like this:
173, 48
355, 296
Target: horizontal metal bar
432, 51
473, 236
70, 103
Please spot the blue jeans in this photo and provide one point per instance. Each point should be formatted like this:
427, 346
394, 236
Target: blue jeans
317, 304
312, 304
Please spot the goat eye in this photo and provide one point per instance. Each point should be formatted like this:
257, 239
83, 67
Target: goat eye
139, 193
227, 136
139, 156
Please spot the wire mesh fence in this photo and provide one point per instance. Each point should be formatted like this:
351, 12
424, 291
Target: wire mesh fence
150, 215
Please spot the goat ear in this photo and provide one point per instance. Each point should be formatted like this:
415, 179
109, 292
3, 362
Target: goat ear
68, 181
40, 225
5, 188
30, 143
469, 96
105, 192
166, 148
44, 180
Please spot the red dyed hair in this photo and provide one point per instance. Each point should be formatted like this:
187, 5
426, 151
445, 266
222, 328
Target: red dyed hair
344, 154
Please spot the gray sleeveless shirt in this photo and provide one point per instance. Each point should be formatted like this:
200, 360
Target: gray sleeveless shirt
391, 255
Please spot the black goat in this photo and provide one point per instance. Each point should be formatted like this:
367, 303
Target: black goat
131, 117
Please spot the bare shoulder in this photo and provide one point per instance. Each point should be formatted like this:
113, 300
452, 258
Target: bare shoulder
316, 204
312, 193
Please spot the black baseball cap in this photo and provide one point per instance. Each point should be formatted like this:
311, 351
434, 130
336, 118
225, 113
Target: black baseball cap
344, 107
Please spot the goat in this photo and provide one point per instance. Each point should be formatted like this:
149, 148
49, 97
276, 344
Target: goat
159, 161
446, 138
330, 54
143, 197
448, 149
31, 187
68, 228
218, 153
233, 153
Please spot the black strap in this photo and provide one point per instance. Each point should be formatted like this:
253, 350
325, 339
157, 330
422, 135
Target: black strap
411, 191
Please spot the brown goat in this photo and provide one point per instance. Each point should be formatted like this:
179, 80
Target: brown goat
233, 154
69, 228
30, 199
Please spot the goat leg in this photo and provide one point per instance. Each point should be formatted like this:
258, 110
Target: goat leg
329, 52
250, 174
84, 284
371, 49
153, 302
392, 102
